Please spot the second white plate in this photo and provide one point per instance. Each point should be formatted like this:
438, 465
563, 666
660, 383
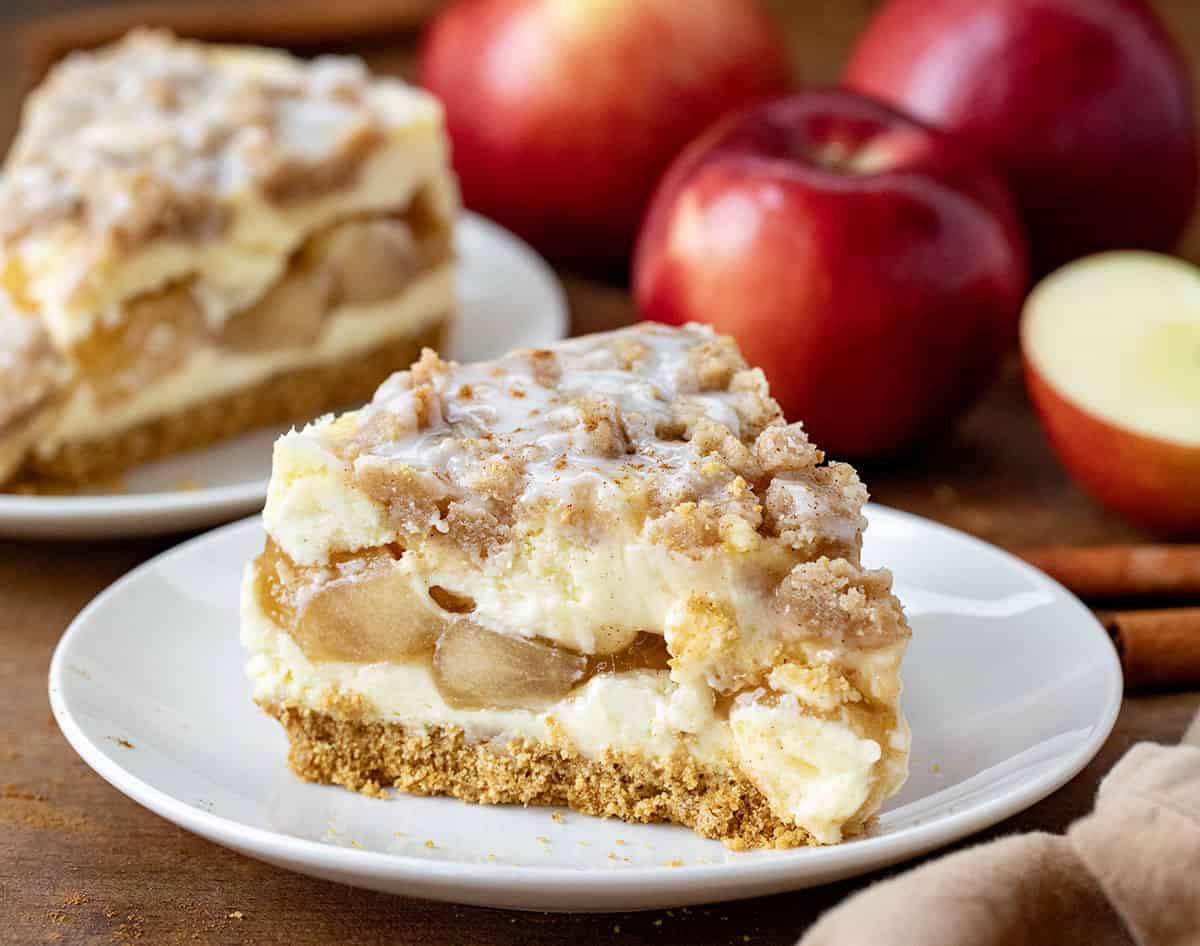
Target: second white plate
508, 298
1011, 686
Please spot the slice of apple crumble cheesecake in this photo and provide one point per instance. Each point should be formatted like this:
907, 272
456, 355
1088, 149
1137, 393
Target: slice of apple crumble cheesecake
196, 240
605, 574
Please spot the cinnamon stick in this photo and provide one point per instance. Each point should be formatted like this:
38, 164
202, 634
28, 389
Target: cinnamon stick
1117, 571
1158, 648
297, 23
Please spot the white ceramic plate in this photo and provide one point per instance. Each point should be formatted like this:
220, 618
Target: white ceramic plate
508, 297
1011, 687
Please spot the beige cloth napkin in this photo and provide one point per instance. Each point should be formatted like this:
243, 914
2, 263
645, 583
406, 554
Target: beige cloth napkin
1128, 872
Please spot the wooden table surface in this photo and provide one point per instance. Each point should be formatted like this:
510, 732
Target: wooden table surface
81, 864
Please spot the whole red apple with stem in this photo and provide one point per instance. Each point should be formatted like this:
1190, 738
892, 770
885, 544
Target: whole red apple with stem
870, 265
564, 113
1085, 105
1112, 361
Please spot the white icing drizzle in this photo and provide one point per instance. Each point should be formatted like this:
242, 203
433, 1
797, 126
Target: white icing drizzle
520, 416
824, 516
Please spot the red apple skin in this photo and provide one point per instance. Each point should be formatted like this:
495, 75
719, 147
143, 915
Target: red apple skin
564, 113
879, 304
1147, 480
1084, 104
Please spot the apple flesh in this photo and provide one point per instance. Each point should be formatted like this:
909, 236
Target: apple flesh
1085, 105
1112, 359
564, 113
867, 263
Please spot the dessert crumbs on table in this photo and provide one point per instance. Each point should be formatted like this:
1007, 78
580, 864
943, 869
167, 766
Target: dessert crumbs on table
14, 792
39, 815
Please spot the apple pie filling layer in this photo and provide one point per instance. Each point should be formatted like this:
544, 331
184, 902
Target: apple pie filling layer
349, 288
820, 737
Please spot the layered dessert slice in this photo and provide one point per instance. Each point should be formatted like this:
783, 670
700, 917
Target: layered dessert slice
605, 574
196, 240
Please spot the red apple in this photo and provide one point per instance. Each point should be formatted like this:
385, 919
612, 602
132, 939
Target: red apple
1112, 360
872, 267
1084, 104
564, 113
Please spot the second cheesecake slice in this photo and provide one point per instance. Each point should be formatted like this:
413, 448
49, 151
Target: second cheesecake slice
195, 240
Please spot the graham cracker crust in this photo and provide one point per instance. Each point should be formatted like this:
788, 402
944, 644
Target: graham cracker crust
298, 394
371, 756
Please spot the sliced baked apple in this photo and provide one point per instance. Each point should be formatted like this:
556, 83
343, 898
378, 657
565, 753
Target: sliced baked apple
475, 667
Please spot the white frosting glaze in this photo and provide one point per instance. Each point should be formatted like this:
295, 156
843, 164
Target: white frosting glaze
510, 403
817, 512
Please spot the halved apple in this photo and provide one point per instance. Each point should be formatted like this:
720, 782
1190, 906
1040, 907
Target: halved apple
1112, 360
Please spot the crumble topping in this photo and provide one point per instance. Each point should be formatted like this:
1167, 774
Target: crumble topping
148, 136
845, 604
672, 415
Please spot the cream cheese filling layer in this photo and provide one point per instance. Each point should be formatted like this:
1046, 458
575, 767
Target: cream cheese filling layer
210, 371
818, 773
